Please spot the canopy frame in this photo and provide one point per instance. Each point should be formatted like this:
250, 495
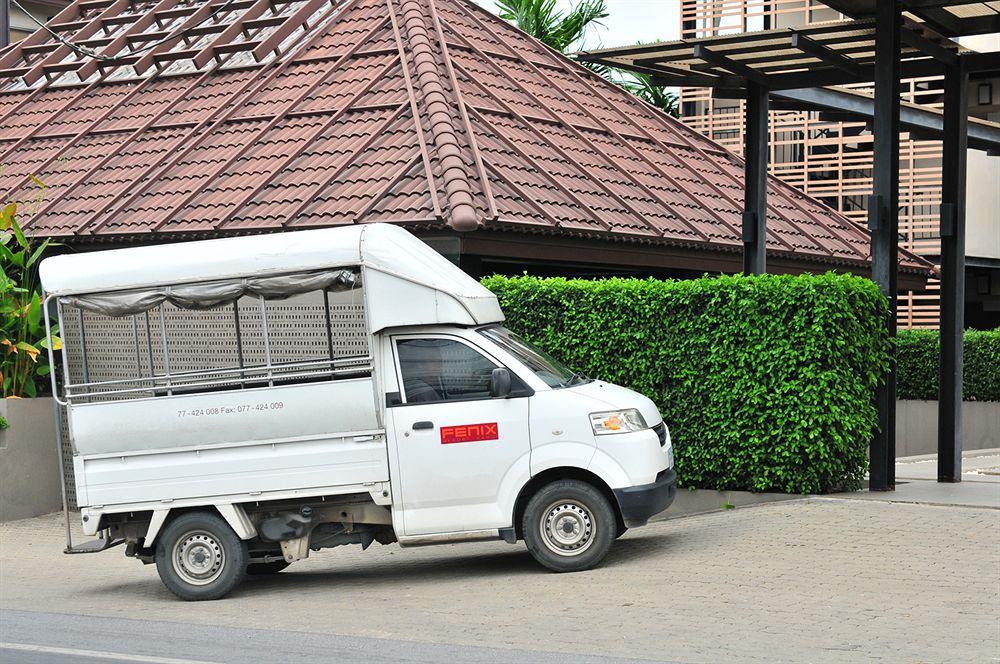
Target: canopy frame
887, 41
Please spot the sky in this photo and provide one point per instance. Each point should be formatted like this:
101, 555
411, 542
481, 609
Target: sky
629, 21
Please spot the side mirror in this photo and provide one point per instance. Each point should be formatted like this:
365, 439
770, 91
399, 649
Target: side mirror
500, 382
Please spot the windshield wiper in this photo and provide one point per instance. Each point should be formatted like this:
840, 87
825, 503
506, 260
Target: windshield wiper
577, 377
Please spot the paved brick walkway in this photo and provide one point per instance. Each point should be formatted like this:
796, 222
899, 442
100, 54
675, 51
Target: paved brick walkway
811, 580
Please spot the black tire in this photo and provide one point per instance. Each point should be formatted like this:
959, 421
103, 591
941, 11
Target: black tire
195, 539
263, 569
578, 529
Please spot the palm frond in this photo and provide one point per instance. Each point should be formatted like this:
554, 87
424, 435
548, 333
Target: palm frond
641, 85
572, 29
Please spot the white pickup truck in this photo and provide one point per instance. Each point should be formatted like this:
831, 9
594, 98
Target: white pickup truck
234, 404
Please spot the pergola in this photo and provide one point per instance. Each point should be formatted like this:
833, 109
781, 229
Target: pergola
886, 41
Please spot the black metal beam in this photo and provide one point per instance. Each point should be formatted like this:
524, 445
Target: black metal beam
981, 63
953, 174
825, 77
927, 47
755, 181
724, 62
826, 54
753, 55
729, 93
942, 21
884, 224
912, 118
929, 10
667, 68
806, 79
663, 74
949, 25
930, 4
694, 81
738, 38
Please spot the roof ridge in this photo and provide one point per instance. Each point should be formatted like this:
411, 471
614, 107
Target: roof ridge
443, 131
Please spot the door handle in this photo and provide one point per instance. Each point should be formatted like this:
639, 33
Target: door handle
423, 425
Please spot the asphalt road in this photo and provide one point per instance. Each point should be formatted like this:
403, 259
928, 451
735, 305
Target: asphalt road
810, 580
29, 637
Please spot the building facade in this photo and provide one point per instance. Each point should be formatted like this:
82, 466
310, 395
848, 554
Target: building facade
831, 160
16, 24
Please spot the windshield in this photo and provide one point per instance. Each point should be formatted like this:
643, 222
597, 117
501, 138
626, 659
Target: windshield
550, 370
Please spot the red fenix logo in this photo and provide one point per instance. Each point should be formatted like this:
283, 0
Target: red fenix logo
470, 433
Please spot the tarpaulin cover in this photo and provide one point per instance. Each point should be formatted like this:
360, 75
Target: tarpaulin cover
213, 294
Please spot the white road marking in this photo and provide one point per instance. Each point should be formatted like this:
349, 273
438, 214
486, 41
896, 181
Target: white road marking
117, 656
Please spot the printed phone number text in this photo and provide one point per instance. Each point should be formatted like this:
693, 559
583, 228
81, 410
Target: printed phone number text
231, 410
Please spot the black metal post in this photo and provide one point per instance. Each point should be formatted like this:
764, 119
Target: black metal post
329, 331
239, 341
884, 224
955, 148
755, 180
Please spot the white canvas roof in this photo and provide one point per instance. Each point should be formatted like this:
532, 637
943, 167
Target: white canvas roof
406, 282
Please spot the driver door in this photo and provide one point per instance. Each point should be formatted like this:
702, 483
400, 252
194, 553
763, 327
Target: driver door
454, 442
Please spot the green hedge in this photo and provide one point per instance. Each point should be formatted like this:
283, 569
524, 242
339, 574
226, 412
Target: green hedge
765, 381
917, 365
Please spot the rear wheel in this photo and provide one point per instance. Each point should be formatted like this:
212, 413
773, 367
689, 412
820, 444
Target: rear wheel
262, 569
199, 557
569, 526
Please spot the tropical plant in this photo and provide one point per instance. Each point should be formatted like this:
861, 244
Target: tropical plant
641, 85
23, 364
563, 31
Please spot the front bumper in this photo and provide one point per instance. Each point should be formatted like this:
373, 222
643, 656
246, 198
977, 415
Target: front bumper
639, 503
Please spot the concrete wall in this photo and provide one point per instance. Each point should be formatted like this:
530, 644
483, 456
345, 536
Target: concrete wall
29, 462
982, 207
917, 422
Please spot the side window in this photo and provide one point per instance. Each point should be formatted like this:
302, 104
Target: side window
442, 370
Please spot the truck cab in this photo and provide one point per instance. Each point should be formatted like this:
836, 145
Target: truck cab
320, 388
474, 414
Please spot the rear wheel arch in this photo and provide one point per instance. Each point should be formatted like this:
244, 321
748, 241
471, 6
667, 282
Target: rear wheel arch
546, 477
234, 515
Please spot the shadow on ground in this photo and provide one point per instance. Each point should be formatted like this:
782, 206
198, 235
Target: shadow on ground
324, 569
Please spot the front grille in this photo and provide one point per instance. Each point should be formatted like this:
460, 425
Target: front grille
661, 433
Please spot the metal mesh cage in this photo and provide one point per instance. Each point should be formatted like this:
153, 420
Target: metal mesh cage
131, 347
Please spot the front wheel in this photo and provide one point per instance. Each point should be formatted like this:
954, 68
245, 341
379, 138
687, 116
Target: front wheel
199, 557
569, 526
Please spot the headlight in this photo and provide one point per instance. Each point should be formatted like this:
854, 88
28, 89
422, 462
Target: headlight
617, 421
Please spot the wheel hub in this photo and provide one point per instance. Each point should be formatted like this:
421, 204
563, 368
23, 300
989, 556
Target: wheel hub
198, 558
567, 528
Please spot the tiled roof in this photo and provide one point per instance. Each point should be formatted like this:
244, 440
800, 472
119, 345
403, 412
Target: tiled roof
209, 117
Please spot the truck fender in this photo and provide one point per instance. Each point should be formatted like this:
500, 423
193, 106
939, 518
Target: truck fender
562, 454
513, 481
238, 520
609, 470
234, 515
155, 524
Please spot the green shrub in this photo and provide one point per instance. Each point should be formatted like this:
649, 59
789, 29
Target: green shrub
917, 363
766, 382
